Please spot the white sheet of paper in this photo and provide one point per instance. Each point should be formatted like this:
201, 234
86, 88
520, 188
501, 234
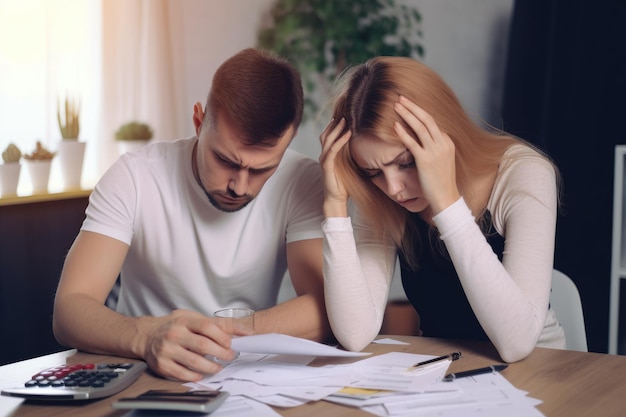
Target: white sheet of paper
243, 407
394, 379
486, 395
388, 341
283, 344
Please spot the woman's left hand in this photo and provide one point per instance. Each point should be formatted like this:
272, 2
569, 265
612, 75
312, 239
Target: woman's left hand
434, 155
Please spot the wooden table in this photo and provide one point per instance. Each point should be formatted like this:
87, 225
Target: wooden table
569, 383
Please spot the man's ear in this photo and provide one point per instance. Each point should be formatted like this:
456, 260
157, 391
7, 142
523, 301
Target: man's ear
198, 117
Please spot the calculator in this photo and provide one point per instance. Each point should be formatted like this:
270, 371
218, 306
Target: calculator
78, 382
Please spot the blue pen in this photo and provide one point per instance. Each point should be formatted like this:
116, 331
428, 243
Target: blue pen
487, 370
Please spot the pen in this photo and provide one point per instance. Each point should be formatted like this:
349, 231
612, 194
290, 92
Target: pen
452, 356
489, 369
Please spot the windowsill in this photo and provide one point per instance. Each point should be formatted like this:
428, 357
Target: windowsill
37, 197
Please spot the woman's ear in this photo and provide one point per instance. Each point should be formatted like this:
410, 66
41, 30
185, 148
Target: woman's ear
198, 117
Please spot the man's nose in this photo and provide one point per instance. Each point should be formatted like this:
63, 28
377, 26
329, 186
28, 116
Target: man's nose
239, 182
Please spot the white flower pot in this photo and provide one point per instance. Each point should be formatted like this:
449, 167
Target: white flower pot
130, 145
9, 178
39, 171
71, 154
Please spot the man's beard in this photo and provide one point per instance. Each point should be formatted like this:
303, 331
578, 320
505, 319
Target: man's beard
230, 208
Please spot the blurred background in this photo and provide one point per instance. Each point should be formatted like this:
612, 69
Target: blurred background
550, 71
151, 60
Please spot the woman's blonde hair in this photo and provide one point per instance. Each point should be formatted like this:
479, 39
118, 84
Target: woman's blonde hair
366, 98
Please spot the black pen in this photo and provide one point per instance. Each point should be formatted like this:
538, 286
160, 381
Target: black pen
489, 369
452, 356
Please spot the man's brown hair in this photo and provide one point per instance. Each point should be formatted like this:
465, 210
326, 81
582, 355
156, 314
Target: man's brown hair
260, 93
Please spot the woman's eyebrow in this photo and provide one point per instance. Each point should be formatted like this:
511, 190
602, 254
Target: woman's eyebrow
395, 160
385, 164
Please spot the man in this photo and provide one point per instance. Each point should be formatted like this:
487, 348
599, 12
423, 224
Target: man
200, 224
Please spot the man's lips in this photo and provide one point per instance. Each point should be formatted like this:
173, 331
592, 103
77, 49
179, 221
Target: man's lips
230, 199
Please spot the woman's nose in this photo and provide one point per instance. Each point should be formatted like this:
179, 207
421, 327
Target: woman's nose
394, 185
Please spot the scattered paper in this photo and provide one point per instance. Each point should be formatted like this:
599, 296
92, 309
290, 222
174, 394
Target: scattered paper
388, 341
274, 343
384, 385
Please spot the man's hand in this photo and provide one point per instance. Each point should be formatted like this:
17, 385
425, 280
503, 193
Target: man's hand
176, 345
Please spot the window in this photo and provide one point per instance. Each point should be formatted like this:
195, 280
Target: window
48, 50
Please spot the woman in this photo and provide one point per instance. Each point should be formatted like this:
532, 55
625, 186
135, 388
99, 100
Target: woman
471, 212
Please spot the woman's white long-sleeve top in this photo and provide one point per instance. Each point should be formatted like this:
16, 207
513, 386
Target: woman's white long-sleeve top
510, 298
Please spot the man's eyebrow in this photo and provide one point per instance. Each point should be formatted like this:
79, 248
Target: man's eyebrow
238, 164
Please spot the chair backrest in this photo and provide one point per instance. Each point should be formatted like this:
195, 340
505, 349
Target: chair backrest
565, 301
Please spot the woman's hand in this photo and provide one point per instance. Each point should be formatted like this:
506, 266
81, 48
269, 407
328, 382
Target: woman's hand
434, 155
335, 194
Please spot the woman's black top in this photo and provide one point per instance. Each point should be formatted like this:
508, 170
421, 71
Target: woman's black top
434, 288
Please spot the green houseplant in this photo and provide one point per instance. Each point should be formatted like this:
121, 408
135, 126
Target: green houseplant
38, 163
134, 130
10, 170
133, 135
71, 151
321, 38
69, 123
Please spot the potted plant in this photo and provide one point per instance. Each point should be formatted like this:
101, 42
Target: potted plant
71, 150
133, 135
38, 163
10, 170
321, 38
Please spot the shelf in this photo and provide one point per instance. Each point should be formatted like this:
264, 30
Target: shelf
11, 200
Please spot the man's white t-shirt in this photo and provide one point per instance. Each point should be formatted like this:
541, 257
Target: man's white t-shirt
185, 253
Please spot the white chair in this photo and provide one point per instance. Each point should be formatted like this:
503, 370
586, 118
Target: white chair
565, 301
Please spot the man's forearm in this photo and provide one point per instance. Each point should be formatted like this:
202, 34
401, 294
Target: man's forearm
83, 323
303, 316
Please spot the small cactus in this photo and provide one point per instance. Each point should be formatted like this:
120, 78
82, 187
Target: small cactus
11, 154
134, 131
40, 153
69, 125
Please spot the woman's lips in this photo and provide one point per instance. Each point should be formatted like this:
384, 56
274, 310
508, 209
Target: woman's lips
408, 201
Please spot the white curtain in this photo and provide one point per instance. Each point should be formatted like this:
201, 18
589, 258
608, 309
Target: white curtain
46, 55
142, 76
122, 59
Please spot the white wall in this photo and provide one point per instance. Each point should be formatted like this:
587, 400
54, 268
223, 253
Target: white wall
214, 30
465, 42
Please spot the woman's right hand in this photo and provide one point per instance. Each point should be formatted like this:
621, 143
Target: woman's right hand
335, 194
